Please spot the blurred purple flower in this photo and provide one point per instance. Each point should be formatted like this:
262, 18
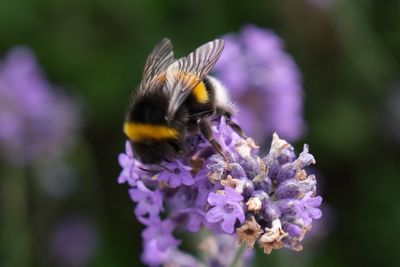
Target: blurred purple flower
34, 118
152, 255
177, 258
220, 250
195, 220
74, 242
158, 242
161, 231
264, 82
226, 208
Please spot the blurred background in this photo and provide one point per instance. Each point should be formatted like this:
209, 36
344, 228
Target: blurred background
61, 204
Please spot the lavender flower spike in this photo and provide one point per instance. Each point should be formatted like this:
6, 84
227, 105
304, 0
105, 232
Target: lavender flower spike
264, 82
36, 121
267, 200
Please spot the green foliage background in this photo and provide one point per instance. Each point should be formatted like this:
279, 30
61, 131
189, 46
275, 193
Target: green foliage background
349, 55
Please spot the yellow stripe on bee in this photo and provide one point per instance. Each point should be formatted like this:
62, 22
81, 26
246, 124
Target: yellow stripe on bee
140, 131
200, 93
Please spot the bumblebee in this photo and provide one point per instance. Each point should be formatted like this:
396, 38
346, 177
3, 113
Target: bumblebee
175, 98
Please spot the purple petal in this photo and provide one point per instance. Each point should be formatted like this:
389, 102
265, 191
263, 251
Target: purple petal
187, 179
122, 178
294, 230
128, 149
232, 194
136, 194
174, 181
216, 199
228, 223
239, 213
314, 201
315, 213
196, 217
214, 215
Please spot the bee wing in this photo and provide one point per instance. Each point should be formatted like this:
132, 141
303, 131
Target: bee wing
184, 74
157, 62
159, 59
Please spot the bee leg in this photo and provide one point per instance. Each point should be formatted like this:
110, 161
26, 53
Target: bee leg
235, 127
205, 129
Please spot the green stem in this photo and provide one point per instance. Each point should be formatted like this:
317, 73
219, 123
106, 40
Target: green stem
238, 256
15, 235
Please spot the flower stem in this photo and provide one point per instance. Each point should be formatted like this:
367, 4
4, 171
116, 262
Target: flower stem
15, 242
238, 256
